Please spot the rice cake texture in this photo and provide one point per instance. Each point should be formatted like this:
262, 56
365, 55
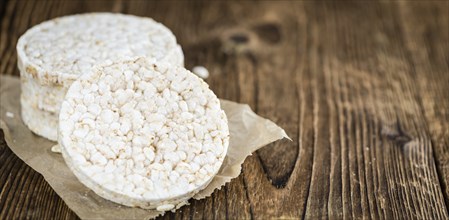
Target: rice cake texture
143, 134
55, 53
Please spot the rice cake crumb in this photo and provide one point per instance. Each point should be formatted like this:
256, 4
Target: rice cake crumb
201, 71
56, 149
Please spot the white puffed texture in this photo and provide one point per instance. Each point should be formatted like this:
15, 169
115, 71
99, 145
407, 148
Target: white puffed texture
143, 134
53, 54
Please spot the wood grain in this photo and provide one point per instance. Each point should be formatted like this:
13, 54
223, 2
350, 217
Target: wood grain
360, 87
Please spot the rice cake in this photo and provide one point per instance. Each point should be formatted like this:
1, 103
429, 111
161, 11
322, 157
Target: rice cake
143, 134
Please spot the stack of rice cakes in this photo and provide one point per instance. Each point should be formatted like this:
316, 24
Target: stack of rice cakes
53, 54
135, 126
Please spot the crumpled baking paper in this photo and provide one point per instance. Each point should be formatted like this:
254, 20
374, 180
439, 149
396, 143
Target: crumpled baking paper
248, 132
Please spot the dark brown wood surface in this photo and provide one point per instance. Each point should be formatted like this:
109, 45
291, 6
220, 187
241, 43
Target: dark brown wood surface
361, 87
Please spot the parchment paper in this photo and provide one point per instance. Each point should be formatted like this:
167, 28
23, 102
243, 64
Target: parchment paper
248, 132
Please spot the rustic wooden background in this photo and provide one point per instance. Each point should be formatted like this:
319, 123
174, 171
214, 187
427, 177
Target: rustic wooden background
362, 88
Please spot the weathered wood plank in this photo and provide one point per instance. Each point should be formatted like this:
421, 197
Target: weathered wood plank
353, 56
427, 47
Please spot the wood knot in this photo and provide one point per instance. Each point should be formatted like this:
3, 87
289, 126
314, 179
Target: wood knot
256, 38
238, 41
396, 134
268, 32
239, 38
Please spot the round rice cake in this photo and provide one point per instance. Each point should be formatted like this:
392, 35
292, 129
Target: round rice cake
53, 54
143, 134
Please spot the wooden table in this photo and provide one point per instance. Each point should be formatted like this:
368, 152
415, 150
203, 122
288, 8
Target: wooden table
362, 88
